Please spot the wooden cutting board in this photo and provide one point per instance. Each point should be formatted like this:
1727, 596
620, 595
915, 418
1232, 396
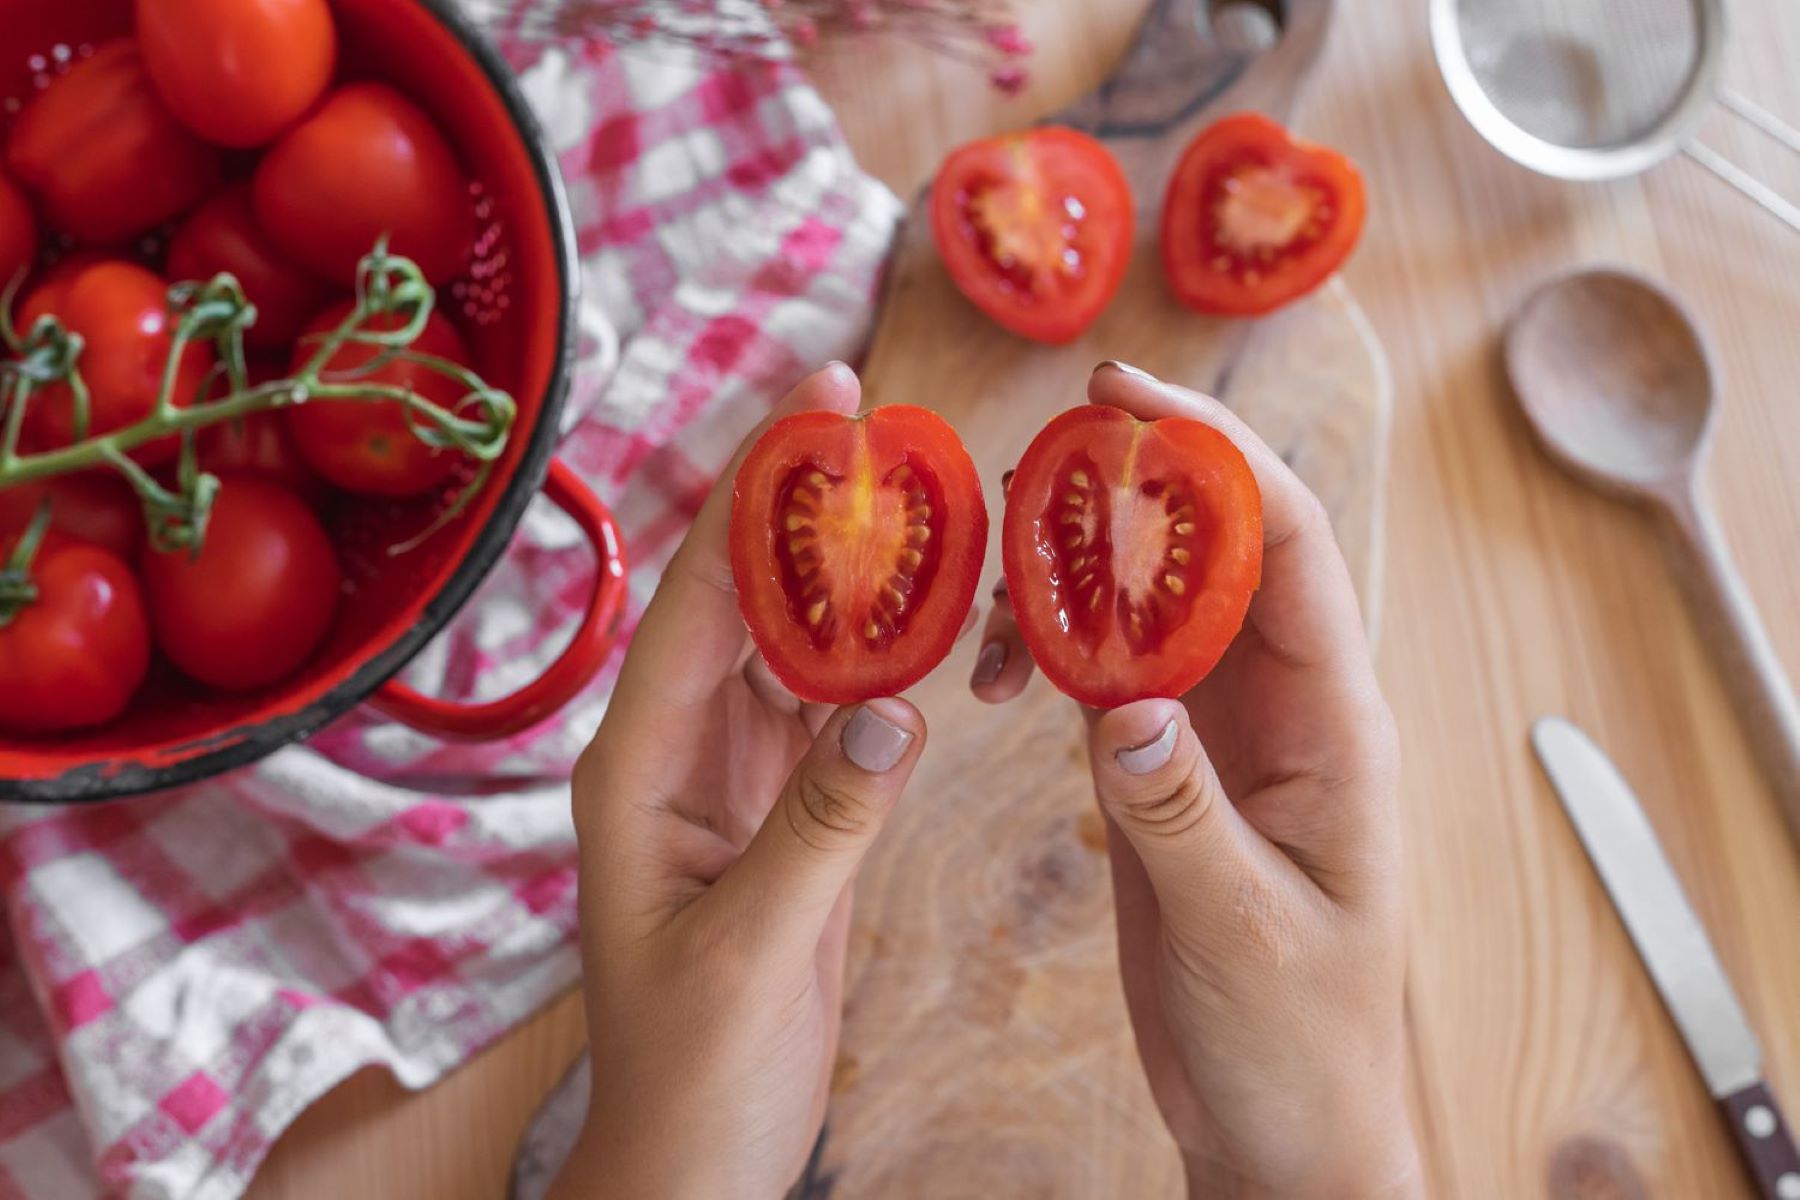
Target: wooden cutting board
986, 1051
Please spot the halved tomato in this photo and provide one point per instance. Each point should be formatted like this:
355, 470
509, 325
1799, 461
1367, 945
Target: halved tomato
1255, 217
1035, 229
1131, 550
856, 543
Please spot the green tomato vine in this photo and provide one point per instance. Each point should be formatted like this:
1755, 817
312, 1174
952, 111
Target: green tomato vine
388, 287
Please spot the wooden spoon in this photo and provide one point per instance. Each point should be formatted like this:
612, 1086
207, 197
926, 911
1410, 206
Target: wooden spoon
1616, 379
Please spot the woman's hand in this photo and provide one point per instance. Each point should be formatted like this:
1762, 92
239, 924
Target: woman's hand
1254, 834
721, 823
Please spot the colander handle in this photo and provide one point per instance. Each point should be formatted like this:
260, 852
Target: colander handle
592, 642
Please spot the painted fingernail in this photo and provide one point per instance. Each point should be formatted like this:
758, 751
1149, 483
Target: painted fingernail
1153, 755
989, 663
1005, 482
1139, 372
873, 742
1000, 588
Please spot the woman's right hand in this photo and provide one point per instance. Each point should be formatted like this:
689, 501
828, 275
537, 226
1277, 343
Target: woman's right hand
1253, 828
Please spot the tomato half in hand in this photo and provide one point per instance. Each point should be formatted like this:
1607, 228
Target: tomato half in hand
367, 163
222, 235
104, 154
72, 657
238, 71
1131, 550
257, 600
95, 506
121, 310
1035, 229
856, 543
1255, 217
367, 446
18, 232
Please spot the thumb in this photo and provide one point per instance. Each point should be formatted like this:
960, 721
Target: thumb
832, 807
1154, 780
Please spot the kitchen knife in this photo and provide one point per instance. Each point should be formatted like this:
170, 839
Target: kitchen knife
1674, 948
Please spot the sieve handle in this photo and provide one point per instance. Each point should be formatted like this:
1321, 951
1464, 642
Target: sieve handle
573, 668
1783, 208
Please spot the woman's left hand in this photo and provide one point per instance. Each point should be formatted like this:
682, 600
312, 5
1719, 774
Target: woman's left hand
721, 823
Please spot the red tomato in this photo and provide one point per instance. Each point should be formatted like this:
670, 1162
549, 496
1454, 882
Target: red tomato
259, 598
238, 71
222, 235
1255, 217
104, 154
260, 444
122, 311
367, 162
18, 232
1035, 228
91, 506
1131, 550
367, 446
73, 657
856, 543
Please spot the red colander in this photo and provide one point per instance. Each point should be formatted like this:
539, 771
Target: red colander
517, 308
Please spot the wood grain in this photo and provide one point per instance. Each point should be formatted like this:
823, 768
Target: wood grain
1543, 1063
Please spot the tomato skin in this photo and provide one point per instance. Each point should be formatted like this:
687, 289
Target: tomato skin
261, 444
104, 154
95, 506
222, 235
238, 72
367, 162
1325, 187
121, 310
74, 656
836, 662
367, 446
1053, 190
1086, 652
259, 598
18, 232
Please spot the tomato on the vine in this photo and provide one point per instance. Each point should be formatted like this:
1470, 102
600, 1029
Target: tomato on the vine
856, 544
18, 232
366, 163
1255, 217
72, 656
121, 310
95, 506
259, 597
260, 443
238, 71
1131, 550
222, 235
1035, 228
104, 154
367, 445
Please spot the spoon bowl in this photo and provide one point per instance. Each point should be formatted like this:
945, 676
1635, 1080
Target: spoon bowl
1614, 377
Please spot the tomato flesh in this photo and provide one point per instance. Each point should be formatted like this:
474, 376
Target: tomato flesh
1255, 218
856, 543
1035, 229
1131, 551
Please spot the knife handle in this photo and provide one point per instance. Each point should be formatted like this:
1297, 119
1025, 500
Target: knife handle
1764, 1141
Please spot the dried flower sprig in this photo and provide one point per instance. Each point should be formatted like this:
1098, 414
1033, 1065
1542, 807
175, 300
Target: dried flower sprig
982, 32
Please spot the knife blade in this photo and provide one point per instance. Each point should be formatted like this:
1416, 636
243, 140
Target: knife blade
1673, 946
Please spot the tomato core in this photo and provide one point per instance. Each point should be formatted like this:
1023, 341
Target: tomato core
1027, 230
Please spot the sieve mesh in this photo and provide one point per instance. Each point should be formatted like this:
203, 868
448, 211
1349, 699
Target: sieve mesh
1585, 74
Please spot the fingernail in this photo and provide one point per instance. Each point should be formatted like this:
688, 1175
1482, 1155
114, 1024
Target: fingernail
1153, 755
1000, 588
988, 663
873, 742
1139, 372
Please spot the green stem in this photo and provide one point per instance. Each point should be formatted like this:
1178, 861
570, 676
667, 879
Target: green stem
17, 590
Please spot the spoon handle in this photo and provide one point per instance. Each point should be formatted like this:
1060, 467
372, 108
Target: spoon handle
1729, 620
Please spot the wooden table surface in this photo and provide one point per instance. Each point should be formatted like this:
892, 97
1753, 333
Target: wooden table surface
1542, 1061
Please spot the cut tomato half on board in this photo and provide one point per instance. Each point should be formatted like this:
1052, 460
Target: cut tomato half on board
1035, 228
1255, 217
1131, 549
856, 543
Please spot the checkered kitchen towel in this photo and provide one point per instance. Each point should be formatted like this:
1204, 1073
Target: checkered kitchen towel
183, 974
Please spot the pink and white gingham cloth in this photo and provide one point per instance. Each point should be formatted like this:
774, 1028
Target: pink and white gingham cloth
183, 974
